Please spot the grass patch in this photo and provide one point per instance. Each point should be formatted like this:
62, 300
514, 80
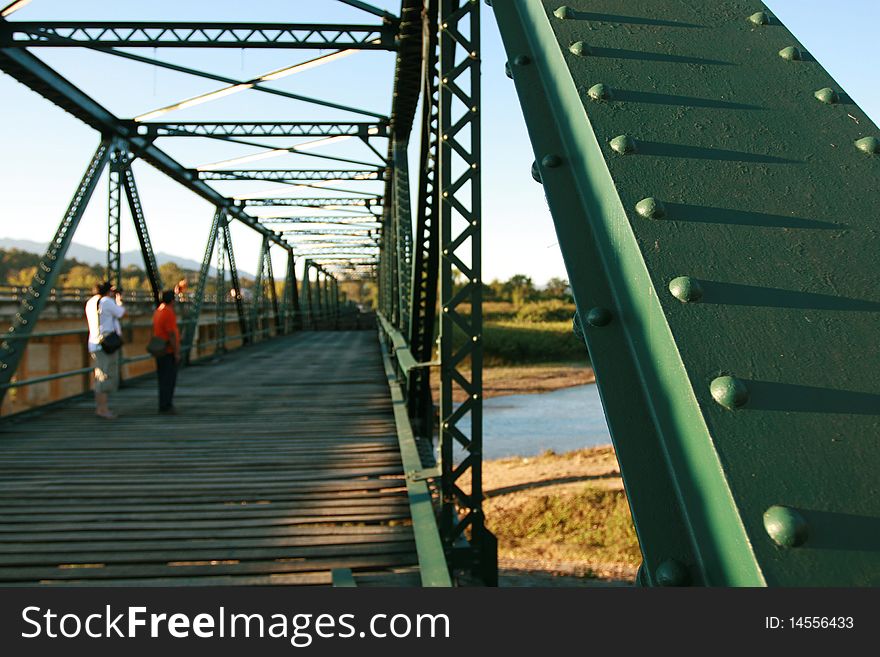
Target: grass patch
593, 525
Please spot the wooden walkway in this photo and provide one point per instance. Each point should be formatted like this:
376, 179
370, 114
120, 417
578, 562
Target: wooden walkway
282, 465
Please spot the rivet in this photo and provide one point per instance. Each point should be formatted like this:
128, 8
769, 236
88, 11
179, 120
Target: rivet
827, 95
522, 60
623, 144
760, 18
651, 208
507, 70
671, 573
785, 526
551, 161
564, 12
870, 145
475, 396
686, 289
598, 316
600, 92
790, 54
536, 172
580, 49
729, 392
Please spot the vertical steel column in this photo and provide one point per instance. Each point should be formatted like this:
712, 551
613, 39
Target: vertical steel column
118, 162
37, 293
221, 284
307, 292
403, 234
273, 295
192, 326
143, 235
236, 285
256, 310
292, 317
460, 197
425, 243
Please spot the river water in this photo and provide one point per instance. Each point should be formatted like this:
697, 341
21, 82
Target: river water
526, 425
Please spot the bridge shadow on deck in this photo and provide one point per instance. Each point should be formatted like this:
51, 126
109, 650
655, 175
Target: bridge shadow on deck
282, 465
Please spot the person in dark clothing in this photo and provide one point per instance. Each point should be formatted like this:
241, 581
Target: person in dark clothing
165, 328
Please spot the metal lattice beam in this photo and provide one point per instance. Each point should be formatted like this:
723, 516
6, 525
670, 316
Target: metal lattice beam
461, 363
195, 35
282, 175
262, 129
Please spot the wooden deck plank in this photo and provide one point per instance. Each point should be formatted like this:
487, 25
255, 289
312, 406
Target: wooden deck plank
282, 465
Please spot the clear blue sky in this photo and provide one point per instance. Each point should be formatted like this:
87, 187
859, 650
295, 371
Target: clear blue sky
46, 150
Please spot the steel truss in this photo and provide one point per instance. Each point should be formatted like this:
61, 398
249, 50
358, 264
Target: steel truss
412, 252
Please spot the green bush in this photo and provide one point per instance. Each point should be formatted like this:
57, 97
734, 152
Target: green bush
512, 343
553, 310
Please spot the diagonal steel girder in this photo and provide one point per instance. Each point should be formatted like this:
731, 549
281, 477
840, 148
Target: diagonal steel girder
34, 73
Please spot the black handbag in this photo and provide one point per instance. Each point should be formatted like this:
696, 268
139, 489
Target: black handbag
109, 342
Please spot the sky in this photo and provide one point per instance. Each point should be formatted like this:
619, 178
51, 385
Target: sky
46, 150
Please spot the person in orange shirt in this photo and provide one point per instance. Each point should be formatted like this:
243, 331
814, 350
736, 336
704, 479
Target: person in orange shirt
165, 328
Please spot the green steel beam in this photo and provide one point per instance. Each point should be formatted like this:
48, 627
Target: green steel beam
458, 178
129, 34
292, 175
263, 129
118, 162
713, 191
370, 9
315, 202
140, 227
192, 325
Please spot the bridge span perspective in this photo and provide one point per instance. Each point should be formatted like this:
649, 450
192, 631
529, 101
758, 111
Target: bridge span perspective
714, 193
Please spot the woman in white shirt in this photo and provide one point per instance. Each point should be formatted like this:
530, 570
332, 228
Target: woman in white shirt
103, 312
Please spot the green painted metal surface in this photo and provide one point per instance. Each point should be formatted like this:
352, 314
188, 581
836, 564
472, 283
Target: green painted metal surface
716, 190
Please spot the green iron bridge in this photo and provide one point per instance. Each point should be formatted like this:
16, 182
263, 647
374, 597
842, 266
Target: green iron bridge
714, 192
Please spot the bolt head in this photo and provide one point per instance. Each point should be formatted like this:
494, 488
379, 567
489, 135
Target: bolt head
536, 173
623, 144
790, 54
564, 12
786, 526
870, 145
671, 573
729, 392
580, 49
827, 96
507, 70
599, 317
686, 289
759, 18
522, 60
551, 161
600, 92
651, 208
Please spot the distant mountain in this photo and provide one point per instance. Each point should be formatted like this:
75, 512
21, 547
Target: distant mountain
91, 256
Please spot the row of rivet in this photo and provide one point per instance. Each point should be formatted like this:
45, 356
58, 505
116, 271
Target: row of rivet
784, 525
602, 92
